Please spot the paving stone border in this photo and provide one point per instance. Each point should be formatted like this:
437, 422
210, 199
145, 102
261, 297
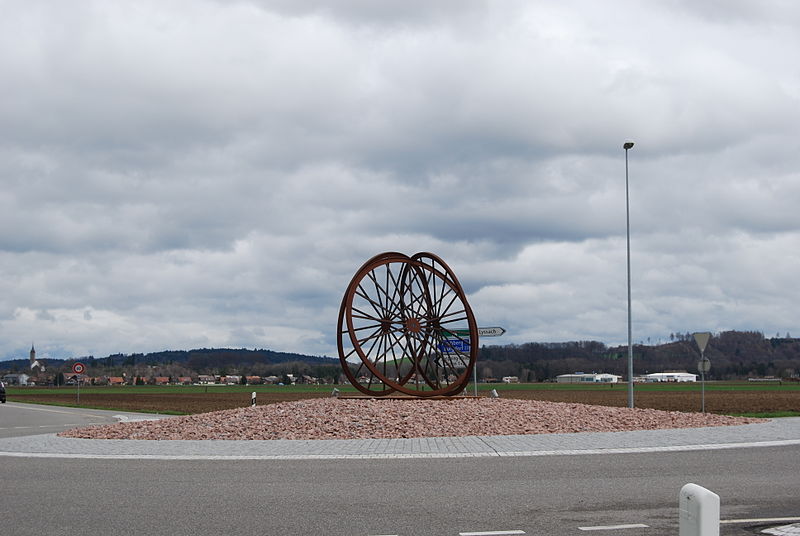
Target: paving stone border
775, 432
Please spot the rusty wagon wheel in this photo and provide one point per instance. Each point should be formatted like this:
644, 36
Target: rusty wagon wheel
456, 342
370, 327
408, 322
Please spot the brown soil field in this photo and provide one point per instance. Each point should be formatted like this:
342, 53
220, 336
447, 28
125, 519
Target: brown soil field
167, 403
720, 402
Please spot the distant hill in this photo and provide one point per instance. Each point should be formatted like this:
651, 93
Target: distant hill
733, 355
200, 359
215, 357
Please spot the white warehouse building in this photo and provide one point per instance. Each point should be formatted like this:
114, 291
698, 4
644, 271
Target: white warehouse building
671, 377
581, 377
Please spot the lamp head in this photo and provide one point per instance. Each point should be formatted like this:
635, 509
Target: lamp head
627, 145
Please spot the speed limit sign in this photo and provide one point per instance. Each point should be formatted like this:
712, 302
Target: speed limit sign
78, 368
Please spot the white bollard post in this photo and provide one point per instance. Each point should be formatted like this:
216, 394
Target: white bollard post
698, 511
253, 399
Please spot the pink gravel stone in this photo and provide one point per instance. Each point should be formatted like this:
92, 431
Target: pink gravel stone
337, 418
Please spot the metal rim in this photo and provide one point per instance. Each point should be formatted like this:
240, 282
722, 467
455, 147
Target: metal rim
375, 385
437, 263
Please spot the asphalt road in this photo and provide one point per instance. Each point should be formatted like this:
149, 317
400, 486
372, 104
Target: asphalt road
537, 495
442, 497
30, 419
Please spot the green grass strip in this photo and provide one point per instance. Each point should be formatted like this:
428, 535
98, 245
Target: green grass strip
769, 415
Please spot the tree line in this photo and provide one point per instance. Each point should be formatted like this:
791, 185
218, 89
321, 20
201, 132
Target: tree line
733, 355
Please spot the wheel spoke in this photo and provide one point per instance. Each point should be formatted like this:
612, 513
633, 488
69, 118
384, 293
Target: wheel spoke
375, 305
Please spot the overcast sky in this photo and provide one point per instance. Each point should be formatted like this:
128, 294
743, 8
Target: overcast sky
204, 173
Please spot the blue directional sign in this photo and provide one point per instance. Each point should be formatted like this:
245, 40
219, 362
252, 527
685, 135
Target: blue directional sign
450, 346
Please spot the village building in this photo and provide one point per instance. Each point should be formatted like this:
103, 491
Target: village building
16, 379
582, 377
671, 377
37, 367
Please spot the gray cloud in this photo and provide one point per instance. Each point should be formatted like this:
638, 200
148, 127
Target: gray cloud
212, 173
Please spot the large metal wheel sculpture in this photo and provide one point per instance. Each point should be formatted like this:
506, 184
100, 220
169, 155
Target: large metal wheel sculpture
405, 326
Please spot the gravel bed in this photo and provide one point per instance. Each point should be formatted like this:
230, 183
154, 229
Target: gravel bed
332, 418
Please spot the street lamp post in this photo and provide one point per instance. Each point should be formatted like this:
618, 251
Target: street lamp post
627, 145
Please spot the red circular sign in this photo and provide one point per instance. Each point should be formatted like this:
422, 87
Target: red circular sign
78, 368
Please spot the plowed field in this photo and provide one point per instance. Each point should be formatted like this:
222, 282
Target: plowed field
166, 403
722, 402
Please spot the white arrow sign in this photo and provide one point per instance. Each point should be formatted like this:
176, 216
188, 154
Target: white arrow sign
491, 332
482, 332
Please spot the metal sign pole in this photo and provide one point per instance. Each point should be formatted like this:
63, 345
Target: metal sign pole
703, 391
703, 366
702, 385
484, 332
78, 369
475, 377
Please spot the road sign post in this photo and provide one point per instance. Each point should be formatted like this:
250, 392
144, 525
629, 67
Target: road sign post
482, 332
703, 366
78, 369
475, 378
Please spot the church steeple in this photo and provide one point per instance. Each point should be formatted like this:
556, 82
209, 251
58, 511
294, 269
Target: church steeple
36, 366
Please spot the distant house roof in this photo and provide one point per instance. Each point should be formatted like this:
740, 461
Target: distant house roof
601, 377
666, 376
21, 379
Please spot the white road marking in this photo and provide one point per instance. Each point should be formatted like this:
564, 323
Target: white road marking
762, 520
491, 533
784, 530
644, 450
389, 455
39, 426
616, 527
134, 418
49, 410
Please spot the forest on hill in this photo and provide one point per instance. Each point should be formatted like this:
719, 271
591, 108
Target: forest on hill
176, 363
733, 355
